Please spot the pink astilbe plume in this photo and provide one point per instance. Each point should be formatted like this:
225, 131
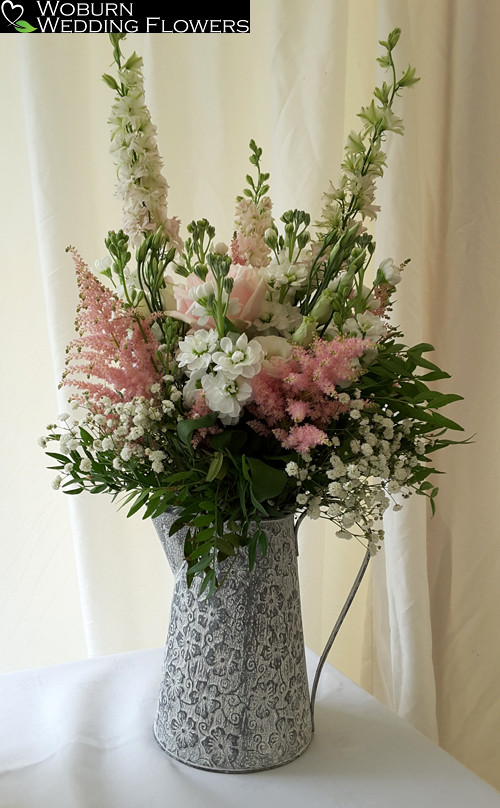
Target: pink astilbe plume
114, 354
333, 364
301, 438
298, 398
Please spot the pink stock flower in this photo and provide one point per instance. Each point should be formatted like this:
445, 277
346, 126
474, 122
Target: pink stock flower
172, 228
252, 221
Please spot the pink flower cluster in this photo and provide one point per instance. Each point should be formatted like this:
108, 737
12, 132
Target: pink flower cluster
296, 400
114, 354
251, 223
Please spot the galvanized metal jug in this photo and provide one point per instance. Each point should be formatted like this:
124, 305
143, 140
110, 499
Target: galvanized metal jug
235, 695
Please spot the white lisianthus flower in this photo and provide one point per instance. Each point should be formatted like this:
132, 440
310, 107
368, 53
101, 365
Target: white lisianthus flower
195, 350
238, 357
226, 395
274, 346
390, 271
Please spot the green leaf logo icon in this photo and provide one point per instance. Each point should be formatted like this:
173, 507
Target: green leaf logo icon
23, 27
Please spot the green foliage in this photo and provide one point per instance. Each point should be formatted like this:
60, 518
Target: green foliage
259, 187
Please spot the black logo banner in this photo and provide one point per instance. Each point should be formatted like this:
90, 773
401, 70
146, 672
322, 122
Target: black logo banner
56, 17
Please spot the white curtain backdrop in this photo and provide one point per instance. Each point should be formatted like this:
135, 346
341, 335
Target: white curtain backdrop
77, 578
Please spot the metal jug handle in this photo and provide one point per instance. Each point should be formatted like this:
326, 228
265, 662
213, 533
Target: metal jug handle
340, 619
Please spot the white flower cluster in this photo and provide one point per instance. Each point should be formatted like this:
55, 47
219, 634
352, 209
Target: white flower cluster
130, 430
221, 369
202, 297
277, 317
366, 325
283, 272
141, 185
378, 462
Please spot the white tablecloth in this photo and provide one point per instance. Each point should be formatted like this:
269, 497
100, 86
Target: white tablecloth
80, 736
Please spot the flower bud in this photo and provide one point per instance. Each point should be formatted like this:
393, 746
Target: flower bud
305, 333
141, 251
158, 238
323, 307
271, 237
168, 300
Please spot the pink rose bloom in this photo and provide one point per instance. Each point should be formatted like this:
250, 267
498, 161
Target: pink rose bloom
249, 290
245, 301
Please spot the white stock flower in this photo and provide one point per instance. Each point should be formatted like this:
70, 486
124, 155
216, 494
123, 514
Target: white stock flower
226, 395
202, 296
365, 324
282, 272
192, 387
284, 317
195, 350
238, 358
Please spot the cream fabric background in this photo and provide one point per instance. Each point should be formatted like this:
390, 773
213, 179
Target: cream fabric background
77, 578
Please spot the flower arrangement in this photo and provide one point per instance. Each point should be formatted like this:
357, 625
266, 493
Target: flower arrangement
243, 381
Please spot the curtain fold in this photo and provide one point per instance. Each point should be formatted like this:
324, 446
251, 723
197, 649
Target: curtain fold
78, 578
